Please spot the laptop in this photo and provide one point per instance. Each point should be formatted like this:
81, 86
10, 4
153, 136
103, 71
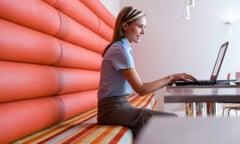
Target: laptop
216, 69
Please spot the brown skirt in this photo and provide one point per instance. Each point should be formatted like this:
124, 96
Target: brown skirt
118, 111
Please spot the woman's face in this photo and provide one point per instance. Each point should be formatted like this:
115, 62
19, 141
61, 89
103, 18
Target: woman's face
134, 31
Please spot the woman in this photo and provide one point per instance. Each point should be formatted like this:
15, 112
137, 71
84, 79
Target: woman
119, 77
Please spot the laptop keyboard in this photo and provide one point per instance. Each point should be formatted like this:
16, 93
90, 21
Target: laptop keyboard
203, 82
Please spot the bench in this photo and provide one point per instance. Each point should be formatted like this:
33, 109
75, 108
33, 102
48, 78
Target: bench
84, 129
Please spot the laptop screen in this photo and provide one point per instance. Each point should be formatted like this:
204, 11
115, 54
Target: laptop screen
219, 60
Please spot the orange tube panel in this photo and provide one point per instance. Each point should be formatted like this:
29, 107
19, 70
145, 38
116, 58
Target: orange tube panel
21, 118
76, 33
78, 57
78, 103
51, 2
22, 81
79, 12
101, 11
26, 45
105, 31
34, 13
36, 47
75, 80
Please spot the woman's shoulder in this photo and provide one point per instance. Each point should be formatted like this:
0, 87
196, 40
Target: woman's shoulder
117, 46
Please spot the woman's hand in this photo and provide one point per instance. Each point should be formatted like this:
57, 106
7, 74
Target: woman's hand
182, 77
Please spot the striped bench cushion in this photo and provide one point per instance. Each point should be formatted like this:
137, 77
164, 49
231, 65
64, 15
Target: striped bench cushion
84, 129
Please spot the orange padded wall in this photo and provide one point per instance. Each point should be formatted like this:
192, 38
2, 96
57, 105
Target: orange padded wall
50, 56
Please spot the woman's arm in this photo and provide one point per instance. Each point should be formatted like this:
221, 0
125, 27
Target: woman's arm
143, 88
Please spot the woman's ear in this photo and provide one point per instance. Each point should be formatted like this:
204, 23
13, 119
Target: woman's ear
125, 26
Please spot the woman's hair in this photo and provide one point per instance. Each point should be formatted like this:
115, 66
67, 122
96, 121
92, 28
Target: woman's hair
127, 15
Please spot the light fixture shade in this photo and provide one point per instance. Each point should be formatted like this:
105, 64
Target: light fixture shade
187, 13
191, 3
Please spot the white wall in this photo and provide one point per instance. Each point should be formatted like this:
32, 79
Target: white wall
173, 44
112, 5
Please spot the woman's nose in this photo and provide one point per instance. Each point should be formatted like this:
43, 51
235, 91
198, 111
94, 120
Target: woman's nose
142, 31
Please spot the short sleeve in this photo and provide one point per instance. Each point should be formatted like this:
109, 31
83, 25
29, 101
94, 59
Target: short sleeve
123, 58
